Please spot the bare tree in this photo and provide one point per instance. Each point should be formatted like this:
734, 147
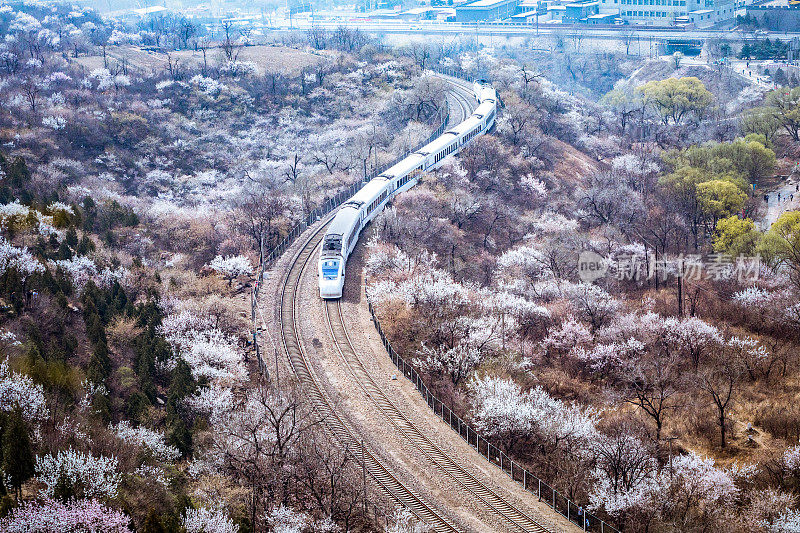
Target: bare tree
721, 381
420, 53
31, 88
317, 38
174, 68
336, 484
258, 441
256, 214
652, 383
518, 120
229, 47
293, 170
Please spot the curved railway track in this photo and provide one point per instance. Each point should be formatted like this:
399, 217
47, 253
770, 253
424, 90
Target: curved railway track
324, 405
513, 518
516, 519
463, 98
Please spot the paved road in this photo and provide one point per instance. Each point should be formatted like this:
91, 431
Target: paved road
785, 197
439, 28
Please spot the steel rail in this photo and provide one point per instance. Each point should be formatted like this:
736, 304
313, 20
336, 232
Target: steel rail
324, 404
462, 101
508, 513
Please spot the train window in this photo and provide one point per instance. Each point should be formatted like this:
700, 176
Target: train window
330, 269
332, 244
353, 236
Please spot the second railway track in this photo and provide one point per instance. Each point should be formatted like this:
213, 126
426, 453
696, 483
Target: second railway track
512, 516
324, 405
501, 508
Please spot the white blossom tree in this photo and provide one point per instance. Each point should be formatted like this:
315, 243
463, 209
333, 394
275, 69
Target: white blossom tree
18, 391
88, 475
208, 520
231, 267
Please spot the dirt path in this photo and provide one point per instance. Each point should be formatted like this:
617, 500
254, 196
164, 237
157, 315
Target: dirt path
786, 197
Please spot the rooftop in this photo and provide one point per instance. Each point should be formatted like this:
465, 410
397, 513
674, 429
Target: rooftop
480, 4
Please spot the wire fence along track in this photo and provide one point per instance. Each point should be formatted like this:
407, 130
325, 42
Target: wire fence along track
324, 405
513, 517
545, 493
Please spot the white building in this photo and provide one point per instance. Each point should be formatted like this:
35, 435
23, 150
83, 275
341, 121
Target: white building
700, 13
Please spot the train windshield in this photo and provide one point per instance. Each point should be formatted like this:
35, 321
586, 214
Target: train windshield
330, 269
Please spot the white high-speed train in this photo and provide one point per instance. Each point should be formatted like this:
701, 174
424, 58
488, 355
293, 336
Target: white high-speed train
343, 232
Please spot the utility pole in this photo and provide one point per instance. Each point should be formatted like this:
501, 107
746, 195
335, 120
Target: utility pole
670, 439
680, 288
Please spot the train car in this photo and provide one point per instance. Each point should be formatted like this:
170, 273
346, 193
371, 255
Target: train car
345, 228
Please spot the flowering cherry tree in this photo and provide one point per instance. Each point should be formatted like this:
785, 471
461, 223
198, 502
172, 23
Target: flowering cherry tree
286, 520
206, 520
76, 516
692, 336
19, 259
82, 269
94, 476
456, 362
18, 391
593, 303
231, 267
141, 436
503, 410
569, 335
209, 352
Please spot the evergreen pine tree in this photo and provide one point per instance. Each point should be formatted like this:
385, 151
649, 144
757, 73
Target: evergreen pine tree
85, 246
152, 524
181, 385
71, 237
64, 251
99, 363
64, 490
180, 436
18, 458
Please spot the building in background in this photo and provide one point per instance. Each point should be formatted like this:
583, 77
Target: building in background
486, 10
698, 13
580, 11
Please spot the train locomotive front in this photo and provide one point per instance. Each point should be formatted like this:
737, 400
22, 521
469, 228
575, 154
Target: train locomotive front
359, 210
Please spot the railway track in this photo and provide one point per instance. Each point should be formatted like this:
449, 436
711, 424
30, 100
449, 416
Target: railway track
460, 99
324, 405
512, 516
